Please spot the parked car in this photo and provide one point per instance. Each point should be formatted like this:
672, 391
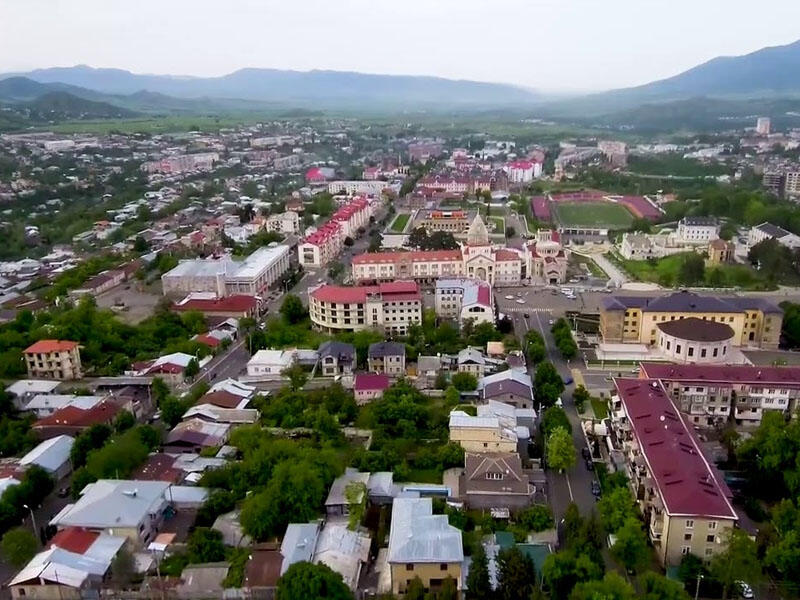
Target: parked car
587, 455
567, 380
589, 464
63, 492
526, 315
596, 488
744, 589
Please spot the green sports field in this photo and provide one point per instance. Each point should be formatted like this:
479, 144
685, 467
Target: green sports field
592, 214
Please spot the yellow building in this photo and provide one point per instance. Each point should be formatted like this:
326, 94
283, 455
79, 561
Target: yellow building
634, 319
720, 252
481, 434
686, 508
422, 545
53, 359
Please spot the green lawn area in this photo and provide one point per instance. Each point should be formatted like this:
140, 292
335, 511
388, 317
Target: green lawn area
592, 214
424, 476
665, 271
600, 408
499, 225
399, 223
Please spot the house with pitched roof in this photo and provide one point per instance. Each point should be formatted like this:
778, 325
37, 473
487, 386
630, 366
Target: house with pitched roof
387, 357
53, 359
495, 480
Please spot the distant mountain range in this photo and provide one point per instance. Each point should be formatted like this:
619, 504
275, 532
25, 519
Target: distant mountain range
701, 94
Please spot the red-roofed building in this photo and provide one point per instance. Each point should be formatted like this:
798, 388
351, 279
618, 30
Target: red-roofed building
391, 306
708, 394
685, 502
71, 420
74, 539
53, 359
236, 306
524, 171
370, 386
158, 467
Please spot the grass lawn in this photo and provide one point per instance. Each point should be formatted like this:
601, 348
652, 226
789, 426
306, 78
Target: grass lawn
592, 214
399, 223
665, 271
424, 476
499, 225
600, 408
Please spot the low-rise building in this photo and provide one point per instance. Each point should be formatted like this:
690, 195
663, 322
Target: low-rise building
387, 357
391, 307
698, 230
53, 359
287, 222
269, 363
471, 361
711, 394
495, 480
336, 358
481, 433
463, 300
195, 434
720, 252
686, 505
509, 387
52, 455
422, 545
370, 386
768, 231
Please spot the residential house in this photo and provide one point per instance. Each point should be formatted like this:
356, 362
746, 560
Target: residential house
195, 434
43, 405
422, 545
269, 363
336, 358
72, 420
24, 390
481, 434
344, 551
387, 357
52, 455
337, 503
370, 386
471, 360
509, 387
495, 480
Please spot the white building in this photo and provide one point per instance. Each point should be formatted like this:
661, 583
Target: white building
269, 363
463, 299
763, 125
523, 171
698, 230
287, 222
359, 187
767, 231
791, 187
51, 455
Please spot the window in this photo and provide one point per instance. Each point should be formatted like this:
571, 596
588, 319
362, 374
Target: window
677, 348
709, 551
711, 538
691, 350
409, 566
689, 523
687, 537
494, 476
443, 567
686, 550
703, 353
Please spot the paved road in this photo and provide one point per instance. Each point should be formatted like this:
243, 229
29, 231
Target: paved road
541, 306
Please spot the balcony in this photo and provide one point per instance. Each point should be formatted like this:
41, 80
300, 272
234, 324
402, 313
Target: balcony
656, 527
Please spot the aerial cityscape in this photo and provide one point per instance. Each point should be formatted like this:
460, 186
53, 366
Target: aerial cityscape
431, 317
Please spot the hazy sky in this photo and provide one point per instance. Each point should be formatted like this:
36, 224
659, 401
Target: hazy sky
545, 44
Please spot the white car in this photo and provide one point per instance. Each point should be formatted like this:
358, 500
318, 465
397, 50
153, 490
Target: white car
520, 301
509, 297
745, 591
552, 322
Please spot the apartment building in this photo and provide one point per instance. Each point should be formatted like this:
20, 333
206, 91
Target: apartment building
422, 266
182, 163
287, 222
387, 357
792, 183
322, 246
422, 545
392, 307
453, 184
755, 322
352, 188
698, 230
464, 299
686, 505
451, 221
713, 394
53, 359
523, 171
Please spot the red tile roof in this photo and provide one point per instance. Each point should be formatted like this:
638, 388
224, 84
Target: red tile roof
209, 341
503, 255
72, 416
222, 399
412, 256
50, 346
788, 376
236, 303
158, 467
688, 484
392, 291
74, 539
371, 381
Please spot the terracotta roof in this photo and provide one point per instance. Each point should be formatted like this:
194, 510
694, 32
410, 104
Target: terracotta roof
74, 539
72, 416
688, 484
236, 303
412, 256
50, 346
222, 399
207, 340
728, 374
392, 291
503, 255
158, 467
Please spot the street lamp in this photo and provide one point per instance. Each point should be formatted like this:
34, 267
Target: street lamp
33, 521
697, 587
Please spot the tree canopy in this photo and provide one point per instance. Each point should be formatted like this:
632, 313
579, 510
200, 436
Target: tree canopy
304, 580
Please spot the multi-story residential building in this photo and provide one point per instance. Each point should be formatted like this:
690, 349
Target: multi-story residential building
392, 307
713, 394
767, 231
451, 221
698, 230
792, 183
523, 171
424, 266
464, 299
336, 358
422, 545
773, 181
634, 319
226, 277
287, 162
763, 125
387, 357
358, 187
287, 222
686, 507
615, 152
424, 150
182, 163
53, 359
454, 184
322, 246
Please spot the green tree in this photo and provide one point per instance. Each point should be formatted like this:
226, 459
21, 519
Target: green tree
560, 450
478, 585
192, 369
554, 417
464, 382
124, 421
123, 568
692, 269
739, 561
205, 545
615, 508
304, 580
19, 546
580, 396
549, 384
293, 310
448, 589
630, 548
536, 518
655, 586
562, 570
296, 375
516, 575
172, 410
415, 590
611, 587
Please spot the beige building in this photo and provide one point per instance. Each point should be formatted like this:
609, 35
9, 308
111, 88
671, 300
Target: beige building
392, 307
687, 509
422, 545
53, 359
711, 394
755, 322
481, 434
720, 252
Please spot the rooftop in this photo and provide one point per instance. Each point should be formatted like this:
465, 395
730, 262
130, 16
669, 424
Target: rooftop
410, 256
43, 346
371, 381
380, 349
687, 483
50, 454
697, 330
789, 376
689, 302
419, 536
236, 303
